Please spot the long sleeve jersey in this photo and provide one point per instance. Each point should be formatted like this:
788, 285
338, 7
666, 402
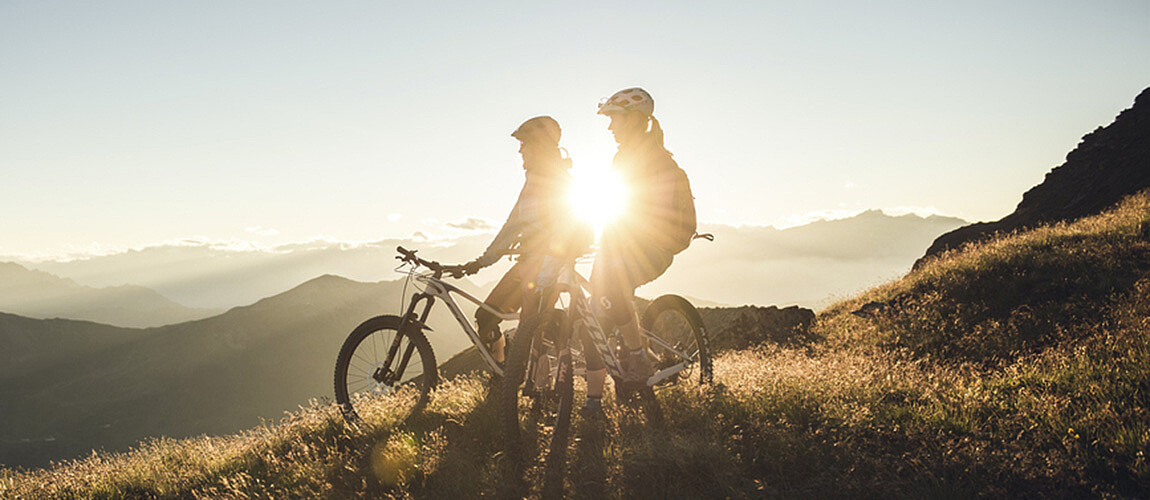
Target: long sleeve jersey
541, 220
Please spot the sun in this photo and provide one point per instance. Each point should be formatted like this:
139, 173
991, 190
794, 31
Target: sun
598, 195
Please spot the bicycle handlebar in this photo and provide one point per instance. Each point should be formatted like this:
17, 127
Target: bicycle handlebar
409, 256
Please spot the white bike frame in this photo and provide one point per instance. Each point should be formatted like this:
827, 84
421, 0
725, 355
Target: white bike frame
438, 289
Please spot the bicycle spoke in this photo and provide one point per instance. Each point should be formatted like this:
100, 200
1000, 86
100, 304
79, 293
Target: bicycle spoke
361, 359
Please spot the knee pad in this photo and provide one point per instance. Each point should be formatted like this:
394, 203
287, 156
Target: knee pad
487, 325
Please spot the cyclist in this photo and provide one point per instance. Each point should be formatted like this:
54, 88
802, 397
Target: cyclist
639, 246
541, 224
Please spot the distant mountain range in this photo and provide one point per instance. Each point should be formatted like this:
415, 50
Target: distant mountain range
807, 265
38, 294
200, 274
69, 386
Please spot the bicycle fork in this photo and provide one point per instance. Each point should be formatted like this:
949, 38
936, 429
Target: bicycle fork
384, 374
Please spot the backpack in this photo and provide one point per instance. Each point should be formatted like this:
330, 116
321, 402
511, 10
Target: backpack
682, 224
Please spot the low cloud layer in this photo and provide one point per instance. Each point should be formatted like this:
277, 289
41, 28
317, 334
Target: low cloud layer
472, 224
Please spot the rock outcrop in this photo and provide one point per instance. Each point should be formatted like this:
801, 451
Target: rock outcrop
1110, 163
742, 327
727, 328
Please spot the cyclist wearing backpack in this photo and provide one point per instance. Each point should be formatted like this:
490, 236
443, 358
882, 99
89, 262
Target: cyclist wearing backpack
639, 246
541, 225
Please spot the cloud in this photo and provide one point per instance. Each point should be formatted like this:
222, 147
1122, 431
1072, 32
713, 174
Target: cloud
393, 217
262, 231
472, 224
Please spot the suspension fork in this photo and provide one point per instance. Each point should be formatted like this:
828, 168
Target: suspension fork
566, 372
409, 320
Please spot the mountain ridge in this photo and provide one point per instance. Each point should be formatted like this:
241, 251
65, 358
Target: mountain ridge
1110, 163
34, 293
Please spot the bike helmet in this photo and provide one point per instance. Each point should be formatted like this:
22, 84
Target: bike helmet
539, 129
632, 99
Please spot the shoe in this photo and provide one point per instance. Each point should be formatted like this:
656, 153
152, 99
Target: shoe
592, 427
593, 413
637, 366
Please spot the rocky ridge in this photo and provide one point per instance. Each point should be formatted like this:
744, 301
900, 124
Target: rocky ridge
727, 328
1108, 164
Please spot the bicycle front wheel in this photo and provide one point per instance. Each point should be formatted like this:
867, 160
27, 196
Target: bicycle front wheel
367, 382
678, 339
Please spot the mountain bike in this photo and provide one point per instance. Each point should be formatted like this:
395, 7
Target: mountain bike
389, 355
543, 359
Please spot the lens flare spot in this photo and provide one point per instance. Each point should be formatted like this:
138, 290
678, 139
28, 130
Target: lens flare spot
598, 196
394, 461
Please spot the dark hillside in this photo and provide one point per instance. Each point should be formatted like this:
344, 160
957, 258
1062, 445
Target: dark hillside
1014, 296
27, 344
72, 386
1110, 163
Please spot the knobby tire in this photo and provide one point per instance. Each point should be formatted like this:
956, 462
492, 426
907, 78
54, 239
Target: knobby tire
365, 350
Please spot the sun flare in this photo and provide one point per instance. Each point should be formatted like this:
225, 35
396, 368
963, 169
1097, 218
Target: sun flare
598, 196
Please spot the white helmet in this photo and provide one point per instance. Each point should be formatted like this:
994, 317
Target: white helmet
632, 99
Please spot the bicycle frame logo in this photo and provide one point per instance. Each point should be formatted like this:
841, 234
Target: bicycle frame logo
586, 320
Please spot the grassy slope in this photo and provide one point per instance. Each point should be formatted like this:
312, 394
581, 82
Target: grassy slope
1017, 368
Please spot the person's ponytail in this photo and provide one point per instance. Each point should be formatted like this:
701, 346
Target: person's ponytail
655, 134
564, 160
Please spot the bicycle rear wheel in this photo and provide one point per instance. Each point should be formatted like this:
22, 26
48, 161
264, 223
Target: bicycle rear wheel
678, 339
366, 383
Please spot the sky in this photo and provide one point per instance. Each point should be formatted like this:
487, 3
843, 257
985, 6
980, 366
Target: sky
125, 124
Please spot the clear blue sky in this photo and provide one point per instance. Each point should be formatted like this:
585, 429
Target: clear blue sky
129, 123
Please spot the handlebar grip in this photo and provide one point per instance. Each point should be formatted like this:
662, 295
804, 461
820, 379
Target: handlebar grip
405, 253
